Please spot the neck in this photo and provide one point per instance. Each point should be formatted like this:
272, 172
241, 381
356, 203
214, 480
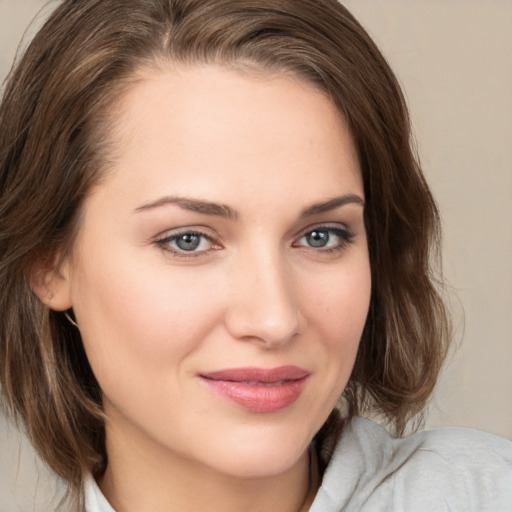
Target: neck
144, 477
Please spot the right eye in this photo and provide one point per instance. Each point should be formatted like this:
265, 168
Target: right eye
186, 243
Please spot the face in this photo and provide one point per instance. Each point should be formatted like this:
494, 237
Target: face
220, 276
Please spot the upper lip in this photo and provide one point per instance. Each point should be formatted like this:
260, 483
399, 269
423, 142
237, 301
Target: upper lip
266, 375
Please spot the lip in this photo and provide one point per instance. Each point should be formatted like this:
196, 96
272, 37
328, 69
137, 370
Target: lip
260, 390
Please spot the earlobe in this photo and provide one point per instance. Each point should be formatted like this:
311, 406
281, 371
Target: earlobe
52, 285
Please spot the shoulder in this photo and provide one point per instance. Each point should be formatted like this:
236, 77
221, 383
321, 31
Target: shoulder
460, 447
462, 469
440, 469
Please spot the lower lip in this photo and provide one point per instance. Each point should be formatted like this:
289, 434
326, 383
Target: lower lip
259, 397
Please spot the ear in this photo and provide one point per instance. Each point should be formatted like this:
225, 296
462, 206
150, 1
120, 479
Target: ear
51, 283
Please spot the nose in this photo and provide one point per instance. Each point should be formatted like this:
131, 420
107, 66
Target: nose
263, 305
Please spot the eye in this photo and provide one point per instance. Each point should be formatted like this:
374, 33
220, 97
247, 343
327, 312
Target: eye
186, 243
325, 238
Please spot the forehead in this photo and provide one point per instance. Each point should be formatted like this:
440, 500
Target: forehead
203, 131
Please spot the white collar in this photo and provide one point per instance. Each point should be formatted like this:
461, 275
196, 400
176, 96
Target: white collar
94, 499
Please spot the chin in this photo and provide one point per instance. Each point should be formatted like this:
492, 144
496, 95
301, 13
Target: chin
259, 454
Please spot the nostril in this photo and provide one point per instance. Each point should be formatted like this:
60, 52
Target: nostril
269, 327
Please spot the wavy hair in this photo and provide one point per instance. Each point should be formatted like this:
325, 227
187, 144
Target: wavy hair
54, 146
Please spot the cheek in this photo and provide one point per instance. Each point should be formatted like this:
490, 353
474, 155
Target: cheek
340, 306
339, 312
140, 320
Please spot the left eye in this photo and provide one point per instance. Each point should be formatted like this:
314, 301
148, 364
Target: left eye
187, 242
326, 238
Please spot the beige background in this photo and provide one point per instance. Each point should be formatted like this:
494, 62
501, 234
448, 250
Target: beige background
454, 59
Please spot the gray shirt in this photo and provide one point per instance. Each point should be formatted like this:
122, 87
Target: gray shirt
446, 469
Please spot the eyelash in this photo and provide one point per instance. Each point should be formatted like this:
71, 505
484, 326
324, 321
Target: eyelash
164, 243
346, 237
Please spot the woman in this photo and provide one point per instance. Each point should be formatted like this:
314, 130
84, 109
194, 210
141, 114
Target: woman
213, 227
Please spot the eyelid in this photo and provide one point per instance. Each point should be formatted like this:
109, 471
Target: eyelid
163, 240
337, 226
341, 230
183, 230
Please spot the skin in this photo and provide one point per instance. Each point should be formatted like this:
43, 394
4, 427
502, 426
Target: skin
255, 292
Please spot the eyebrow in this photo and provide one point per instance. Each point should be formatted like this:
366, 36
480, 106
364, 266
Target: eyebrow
222, 210
332, 204
193, 205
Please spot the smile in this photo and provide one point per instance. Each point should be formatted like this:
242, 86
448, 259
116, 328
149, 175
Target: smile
256, 389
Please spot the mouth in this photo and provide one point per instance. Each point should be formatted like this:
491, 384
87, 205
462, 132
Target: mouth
258, 390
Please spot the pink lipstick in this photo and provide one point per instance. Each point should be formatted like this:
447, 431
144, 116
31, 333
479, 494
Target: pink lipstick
259, 389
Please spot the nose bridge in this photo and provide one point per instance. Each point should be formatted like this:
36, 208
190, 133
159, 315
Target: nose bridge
263, 306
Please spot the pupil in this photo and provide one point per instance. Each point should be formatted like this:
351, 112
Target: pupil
188, 242
318, 238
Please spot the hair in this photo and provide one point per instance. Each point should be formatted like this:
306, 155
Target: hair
55, 123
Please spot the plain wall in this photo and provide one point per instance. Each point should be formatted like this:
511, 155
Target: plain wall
454, 59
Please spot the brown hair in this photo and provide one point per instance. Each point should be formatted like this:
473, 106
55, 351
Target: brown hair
54, 146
